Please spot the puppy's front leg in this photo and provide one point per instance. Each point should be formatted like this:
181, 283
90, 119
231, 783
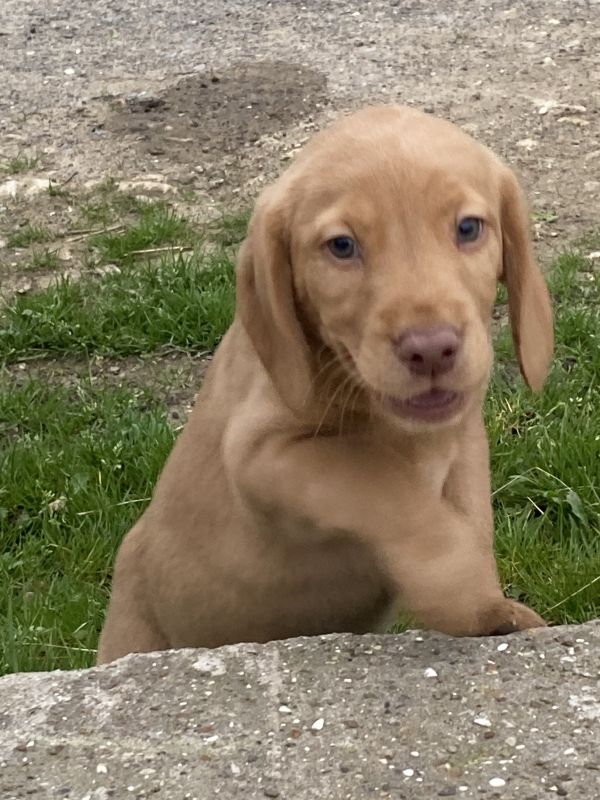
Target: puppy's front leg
443, 568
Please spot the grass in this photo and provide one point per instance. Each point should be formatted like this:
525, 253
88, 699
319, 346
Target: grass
546, 460
27, 235
105, 204
20, 163
547, 215
176, 301
77, 465
43, 259
231, 229
157, 225
58, 190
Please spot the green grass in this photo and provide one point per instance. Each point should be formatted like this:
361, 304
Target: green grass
20, 163
156, 226
56, 189
28, 234
547, 215
177, 301
76, 468
231, 229
78, 464
105, 204
546, 459
43, 259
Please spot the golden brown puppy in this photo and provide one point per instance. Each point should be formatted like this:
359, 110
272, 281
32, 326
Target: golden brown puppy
335, 467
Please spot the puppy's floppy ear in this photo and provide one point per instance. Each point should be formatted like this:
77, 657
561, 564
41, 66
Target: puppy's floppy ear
266, 304
529, 304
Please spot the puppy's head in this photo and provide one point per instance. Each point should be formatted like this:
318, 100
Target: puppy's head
379, 252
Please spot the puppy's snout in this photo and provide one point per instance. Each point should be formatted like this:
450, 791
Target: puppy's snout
429, 351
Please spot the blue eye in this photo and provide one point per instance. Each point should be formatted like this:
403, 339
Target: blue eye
469, 229
343, 247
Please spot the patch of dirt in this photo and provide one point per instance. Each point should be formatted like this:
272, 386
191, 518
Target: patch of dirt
217, 96
208, 121
70, 220
56, 215
172, 377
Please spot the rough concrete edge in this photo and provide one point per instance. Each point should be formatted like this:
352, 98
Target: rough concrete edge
411, 635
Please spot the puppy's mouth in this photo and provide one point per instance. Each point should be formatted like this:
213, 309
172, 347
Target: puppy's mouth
431, 406
434, 405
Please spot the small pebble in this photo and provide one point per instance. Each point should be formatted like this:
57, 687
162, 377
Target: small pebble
483, 721
318, 724
497, 783
408, 772
430, 673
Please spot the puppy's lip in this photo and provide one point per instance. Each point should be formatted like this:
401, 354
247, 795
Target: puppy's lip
434, 405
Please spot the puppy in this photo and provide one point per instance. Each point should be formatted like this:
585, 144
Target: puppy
335, 467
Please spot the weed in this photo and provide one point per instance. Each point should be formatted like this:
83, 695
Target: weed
44, 259
27, 235
20, 163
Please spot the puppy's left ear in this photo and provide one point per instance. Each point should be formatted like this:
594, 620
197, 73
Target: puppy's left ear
529, 303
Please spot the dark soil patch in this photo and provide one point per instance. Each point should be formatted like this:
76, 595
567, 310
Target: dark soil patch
206, 118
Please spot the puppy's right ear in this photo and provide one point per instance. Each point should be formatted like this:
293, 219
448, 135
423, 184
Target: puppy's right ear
266, 305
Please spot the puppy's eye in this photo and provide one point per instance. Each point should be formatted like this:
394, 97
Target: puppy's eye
343, 247
469, 229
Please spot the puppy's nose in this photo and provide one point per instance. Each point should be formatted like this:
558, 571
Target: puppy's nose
429, 351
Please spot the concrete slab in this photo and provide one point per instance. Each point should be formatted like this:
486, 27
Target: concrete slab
409, 716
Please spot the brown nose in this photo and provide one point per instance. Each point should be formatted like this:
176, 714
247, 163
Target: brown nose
429, 351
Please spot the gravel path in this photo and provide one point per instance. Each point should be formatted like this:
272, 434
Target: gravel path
214, 95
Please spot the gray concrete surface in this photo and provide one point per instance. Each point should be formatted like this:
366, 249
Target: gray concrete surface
407, 716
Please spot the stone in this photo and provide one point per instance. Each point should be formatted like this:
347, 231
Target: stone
199, 723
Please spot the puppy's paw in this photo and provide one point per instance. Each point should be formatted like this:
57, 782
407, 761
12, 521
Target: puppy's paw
511, 616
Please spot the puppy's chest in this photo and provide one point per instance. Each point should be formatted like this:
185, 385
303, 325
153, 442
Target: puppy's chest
434, 469
332, 578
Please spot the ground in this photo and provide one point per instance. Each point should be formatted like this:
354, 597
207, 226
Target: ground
342, 717
214, 96
131, 126
207, 102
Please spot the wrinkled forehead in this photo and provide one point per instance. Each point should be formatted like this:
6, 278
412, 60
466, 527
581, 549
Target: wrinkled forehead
404, 166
